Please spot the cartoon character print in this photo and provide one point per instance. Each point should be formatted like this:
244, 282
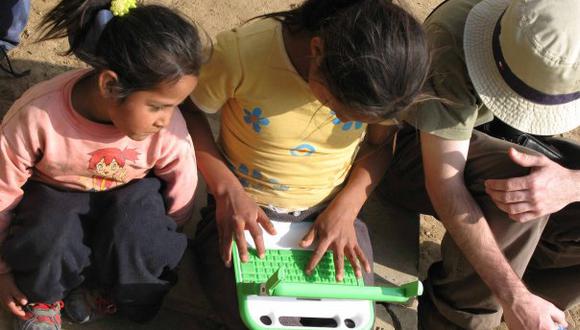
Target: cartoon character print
109, 167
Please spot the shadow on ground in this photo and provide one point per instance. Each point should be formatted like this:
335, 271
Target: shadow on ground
12, 88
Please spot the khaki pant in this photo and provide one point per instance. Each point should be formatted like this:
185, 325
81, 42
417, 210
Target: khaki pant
546, 252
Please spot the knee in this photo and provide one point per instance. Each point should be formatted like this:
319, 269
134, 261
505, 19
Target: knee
145, 218
43, 237
140, 206
494, 165
135, 231
34, 250
47, 219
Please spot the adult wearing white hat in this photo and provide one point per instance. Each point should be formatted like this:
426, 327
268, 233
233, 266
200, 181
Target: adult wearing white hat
510, 204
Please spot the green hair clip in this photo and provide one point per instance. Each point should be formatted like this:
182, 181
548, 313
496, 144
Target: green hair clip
122, 7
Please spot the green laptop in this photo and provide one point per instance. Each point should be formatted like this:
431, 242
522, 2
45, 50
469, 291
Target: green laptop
275, 292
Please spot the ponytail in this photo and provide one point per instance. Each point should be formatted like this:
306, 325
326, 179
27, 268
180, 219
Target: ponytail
144, 47
75, 19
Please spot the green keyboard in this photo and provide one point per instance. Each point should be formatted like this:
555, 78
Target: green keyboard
293, 263
276, 286
281, 273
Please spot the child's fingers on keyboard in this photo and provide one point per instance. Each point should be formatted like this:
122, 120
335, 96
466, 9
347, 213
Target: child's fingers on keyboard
338, 256
362, 258
266, 223
352, 258
225, 244
226, 252
242, 244
256, 233
309, 237
317, 254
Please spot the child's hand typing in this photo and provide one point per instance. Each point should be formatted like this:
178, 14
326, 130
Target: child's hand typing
12, 299
237, 212
335, 229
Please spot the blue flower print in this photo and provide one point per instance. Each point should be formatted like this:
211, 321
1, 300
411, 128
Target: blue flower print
257, 174
302, 150
348, 125
244, 170
255, 119
277, 186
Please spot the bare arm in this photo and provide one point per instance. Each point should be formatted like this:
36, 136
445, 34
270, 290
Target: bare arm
444, 163
334, 226
14, 172
211, 163
370, 165
236, 211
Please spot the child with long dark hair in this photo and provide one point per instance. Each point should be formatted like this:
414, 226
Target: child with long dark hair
97, 170
307, 100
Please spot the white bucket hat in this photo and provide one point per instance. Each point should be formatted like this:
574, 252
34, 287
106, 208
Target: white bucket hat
523, 57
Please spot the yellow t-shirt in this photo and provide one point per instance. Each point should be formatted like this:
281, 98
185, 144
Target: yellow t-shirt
288, 150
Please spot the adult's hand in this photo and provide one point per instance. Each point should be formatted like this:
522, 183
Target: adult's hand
547, 189
530, 312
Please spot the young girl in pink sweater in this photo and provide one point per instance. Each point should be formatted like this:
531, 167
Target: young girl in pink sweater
97, 169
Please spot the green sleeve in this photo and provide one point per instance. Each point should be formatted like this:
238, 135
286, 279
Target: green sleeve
453, 112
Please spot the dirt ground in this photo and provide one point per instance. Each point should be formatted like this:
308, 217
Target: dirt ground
44, 61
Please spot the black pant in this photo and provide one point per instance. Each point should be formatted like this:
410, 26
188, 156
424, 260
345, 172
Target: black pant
121, 238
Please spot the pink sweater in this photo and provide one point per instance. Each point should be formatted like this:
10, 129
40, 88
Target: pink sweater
42, 138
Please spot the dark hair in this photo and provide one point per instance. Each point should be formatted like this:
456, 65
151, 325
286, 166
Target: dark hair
375, 55
145, 47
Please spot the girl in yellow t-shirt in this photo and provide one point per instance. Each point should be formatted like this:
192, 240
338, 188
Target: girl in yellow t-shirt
303, 96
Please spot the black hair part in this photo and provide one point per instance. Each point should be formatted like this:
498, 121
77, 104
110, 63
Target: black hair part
375, 56
145, 47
